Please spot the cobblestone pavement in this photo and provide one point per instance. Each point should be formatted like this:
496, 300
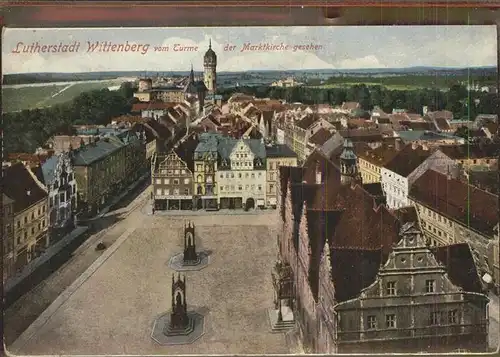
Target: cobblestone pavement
29, 306
112, 312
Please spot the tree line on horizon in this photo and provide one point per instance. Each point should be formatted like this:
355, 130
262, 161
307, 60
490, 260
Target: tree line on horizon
30, 129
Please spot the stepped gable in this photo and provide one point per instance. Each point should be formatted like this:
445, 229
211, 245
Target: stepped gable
330, 172
460, 266
321, 225
288, 174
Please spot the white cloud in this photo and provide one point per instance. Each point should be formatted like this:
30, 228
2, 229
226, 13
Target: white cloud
274, 61
346, 47
364, 62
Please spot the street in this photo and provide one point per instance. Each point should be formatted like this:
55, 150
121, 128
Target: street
69, 265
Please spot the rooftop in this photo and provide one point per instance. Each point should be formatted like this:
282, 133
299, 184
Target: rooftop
471, 151
279, 150
19, 184
320, 137
407, 160
456, 200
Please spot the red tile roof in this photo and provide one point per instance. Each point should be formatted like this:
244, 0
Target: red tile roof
457, 200
378, 156
137, 107
407, 160
320, 137
471, 151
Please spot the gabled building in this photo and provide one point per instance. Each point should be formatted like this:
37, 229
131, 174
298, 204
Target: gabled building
172, 177
356, 268
58, 178
399, 173
30, 213
205, 186
276, 156
419, 301
241, 173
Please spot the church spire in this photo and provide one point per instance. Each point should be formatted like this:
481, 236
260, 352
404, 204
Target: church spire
191, 75
209, 43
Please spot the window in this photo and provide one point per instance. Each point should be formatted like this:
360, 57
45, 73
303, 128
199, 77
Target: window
221, 175
176, 172
32, 230
186, 191
452, 317
232, 175
18, 224
176, 181
430, 286
157, 181
183, 172
260, 188
25, 219
240, 187
253, 175
186, 181
390, 321
434, 318
239, 175
166, 181
199, 167
222, 188
158, 191
390, 288
176, 191
372, 322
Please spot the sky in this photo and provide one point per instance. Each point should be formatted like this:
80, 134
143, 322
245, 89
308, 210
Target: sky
335, 48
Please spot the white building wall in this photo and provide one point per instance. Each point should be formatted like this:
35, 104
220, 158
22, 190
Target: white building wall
395, 188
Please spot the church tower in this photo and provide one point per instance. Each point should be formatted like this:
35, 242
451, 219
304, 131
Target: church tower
210, 69
348, 164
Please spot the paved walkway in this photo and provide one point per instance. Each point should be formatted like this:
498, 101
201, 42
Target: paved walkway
223, 212
42, 259
19, 316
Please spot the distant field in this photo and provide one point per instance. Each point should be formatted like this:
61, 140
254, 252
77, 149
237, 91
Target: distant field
39, 96
388, 86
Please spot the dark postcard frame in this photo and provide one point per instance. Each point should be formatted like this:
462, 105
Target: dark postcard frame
189, 13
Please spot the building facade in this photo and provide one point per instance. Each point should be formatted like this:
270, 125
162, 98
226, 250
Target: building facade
30, 213
276, 156
8, 236
412, 306
408, 165
241, 173
172, 183
205, 185
58, 178
105, 167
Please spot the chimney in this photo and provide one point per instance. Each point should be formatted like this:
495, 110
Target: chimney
397, 143
318, 174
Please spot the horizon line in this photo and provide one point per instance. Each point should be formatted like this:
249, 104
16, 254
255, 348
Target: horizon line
270, 70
